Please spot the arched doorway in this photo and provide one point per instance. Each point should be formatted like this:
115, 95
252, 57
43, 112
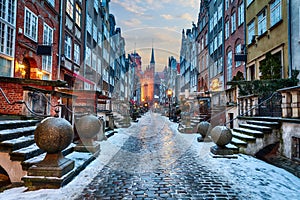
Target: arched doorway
30, 68
4, 178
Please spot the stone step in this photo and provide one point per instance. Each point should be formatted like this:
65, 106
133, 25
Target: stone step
9, 134
234, 148
254, 133
26, 153
13, 124
261, 128
274, 125
238, 142
31, 161
18, 143
243, 137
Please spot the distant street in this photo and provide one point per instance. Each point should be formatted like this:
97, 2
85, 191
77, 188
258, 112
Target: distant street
154, 163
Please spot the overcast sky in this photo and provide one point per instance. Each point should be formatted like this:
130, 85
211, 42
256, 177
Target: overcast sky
157, 23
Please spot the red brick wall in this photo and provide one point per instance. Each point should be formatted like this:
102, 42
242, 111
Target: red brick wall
14, 92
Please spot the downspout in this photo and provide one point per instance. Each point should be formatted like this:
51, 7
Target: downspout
60, 39
245, 41
290, 52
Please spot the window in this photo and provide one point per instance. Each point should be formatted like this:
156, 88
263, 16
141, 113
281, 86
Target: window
211, 24
226, 4
95, 32
229, 65
30, 25
220, 14
206, 39
226, 29
77, 54
7, 11
251, 31
233, 22
262, 22
88, 56
68, 46
249, 2
78, 15
220, 36
89, 24
241, 14
238, 50
215, 18
5, 67
96, 5
99, 39
296, 148
275, 9
47, 39
51, 2
69, 8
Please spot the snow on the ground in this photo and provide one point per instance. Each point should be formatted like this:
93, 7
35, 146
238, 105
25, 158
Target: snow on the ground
252, 178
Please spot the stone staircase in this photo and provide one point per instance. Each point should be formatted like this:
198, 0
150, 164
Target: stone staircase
18, 152
253, 135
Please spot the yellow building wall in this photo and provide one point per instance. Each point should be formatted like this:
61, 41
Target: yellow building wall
274, 40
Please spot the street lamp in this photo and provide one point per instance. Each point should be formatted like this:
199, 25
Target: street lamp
169, 94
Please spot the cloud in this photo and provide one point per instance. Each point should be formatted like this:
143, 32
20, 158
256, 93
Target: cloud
187, 16
167, 17
132, 6
132, 22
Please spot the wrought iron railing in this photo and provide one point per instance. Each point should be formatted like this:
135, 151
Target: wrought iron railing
28, 107
262, 102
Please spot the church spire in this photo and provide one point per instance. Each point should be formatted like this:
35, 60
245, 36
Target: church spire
152, 57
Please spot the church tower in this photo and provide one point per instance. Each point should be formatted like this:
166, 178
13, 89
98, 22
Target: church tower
147, 82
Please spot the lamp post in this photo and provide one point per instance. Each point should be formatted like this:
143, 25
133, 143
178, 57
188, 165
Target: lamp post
169, 94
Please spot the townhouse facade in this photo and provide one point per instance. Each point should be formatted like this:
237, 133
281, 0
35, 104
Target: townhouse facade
267, 32
57, 48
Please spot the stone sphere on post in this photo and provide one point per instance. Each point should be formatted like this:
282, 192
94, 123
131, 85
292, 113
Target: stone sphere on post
88, 126
203, 128
53, 134
221, 135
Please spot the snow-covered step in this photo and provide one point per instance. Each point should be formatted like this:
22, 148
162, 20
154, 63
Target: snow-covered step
275, 125
262, 128
251, 132
26, 153
9, 134
238, 142
234, 148
12, 124
242, 136
18, 143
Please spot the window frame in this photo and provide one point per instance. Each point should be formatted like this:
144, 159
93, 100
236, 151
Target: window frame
29, 26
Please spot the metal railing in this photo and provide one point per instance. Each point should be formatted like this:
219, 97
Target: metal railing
29, 109
254, 107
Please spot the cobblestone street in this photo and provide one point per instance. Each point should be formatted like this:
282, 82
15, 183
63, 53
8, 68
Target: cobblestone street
157, 163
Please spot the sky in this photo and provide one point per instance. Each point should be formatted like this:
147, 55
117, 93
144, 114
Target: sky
253, 178
154, 23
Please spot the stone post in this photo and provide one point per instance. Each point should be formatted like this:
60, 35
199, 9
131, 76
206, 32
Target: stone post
88, 127
51, 135
221, 136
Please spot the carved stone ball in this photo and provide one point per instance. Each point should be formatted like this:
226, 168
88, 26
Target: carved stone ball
203, 128
88, 126
53, 134
221, 135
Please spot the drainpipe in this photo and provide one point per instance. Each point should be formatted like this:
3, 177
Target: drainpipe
245, 41
290, 52
60, 39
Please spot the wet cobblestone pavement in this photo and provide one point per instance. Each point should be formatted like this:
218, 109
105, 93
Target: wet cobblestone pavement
156, 163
